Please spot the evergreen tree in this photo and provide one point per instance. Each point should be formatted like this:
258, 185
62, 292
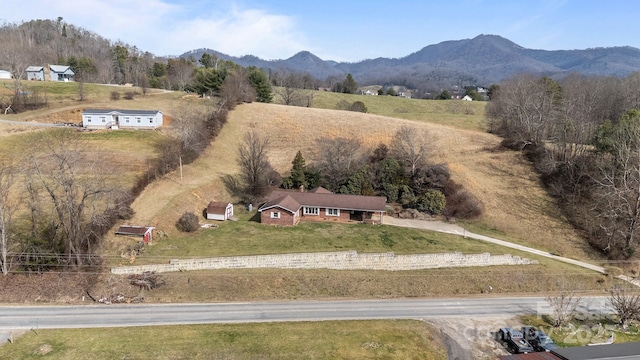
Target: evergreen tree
298, 171
349, 86
260, 83
445, 95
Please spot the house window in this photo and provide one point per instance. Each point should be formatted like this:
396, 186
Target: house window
275, 215
88, 118
308, 210
104, 119
126, 119
333, 212
150, 120
138, 119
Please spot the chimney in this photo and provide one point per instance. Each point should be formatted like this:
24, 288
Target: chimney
301, 188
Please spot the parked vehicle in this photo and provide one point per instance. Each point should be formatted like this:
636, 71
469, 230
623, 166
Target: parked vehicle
514, 341
538, 339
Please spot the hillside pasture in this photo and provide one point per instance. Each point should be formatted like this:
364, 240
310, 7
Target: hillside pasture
460, 114
516, 206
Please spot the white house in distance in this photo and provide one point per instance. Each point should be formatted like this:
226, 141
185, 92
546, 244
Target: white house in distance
5, 75
123, 119
35, 73
60, 73
219, 210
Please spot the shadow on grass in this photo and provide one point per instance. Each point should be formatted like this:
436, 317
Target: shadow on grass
255, 217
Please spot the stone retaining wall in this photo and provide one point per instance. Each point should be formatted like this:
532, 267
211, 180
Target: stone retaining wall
341, 260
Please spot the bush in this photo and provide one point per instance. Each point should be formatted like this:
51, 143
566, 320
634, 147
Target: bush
463, 205
115, 95
188, 222
358, 106
130, 95
433, 202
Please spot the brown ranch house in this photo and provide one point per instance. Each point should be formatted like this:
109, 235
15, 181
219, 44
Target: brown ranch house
287, 207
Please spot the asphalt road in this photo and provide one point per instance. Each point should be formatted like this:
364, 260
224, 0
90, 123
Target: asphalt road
41, 317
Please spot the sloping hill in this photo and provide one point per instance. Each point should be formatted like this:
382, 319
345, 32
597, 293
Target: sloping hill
517, 208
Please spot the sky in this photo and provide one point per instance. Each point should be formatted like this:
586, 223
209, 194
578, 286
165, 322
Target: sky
340, 30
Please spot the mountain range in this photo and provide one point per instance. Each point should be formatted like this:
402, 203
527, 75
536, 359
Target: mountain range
483, 60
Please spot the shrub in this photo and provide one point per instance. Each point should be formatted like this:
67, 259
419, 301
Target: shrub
188, 222
358, 106
115, 95
130, 95
463, 205
433, 202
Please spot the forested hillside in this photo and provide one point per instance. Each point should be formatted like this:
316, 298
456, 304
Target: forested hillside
583, 135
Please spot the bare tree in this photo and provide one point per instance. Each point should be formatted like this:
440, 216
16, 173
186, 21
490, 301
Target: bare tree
625, 302
179, 73
337, 158
78, 191
292, 88
563, 305
524, 109
410, 146
189, 130
618, 186
256, 172
236, 89
8, 206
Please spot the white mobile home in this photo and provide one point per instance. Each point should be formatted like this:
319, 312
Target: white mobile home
124, 119
5, 75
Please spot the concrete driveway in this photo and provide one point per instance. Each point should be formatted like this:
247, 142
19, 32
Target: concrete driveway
454, 229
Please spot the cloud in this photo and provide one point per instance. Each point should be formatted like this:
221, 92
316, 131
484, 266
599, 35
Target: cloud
239, 32
169, 27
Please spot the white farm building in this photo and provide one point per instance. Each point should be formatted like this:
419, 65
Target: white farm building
123, 119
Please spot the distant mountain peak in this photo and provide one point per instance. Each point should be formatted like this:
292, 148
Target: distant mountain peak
482, 60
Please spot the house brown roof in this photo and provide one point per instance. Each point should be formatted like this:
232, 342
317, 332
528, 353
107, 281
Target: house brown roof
133, 230
320, 190
319, 197
217, 207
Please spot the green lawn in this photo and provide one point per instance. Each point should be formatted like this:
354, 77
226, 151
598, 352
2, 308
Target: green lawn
402, 339
249, 237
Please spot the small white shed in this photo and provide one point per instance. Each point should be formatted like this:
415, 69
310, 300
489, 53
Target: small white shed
219, 210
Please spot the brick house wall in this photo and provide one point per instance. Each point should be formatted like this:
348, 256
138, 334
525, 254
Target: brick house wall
322, 216
286, 218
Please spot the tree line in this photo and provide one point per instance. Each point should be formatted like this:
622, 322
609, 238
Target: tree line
401, 171
583, 135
